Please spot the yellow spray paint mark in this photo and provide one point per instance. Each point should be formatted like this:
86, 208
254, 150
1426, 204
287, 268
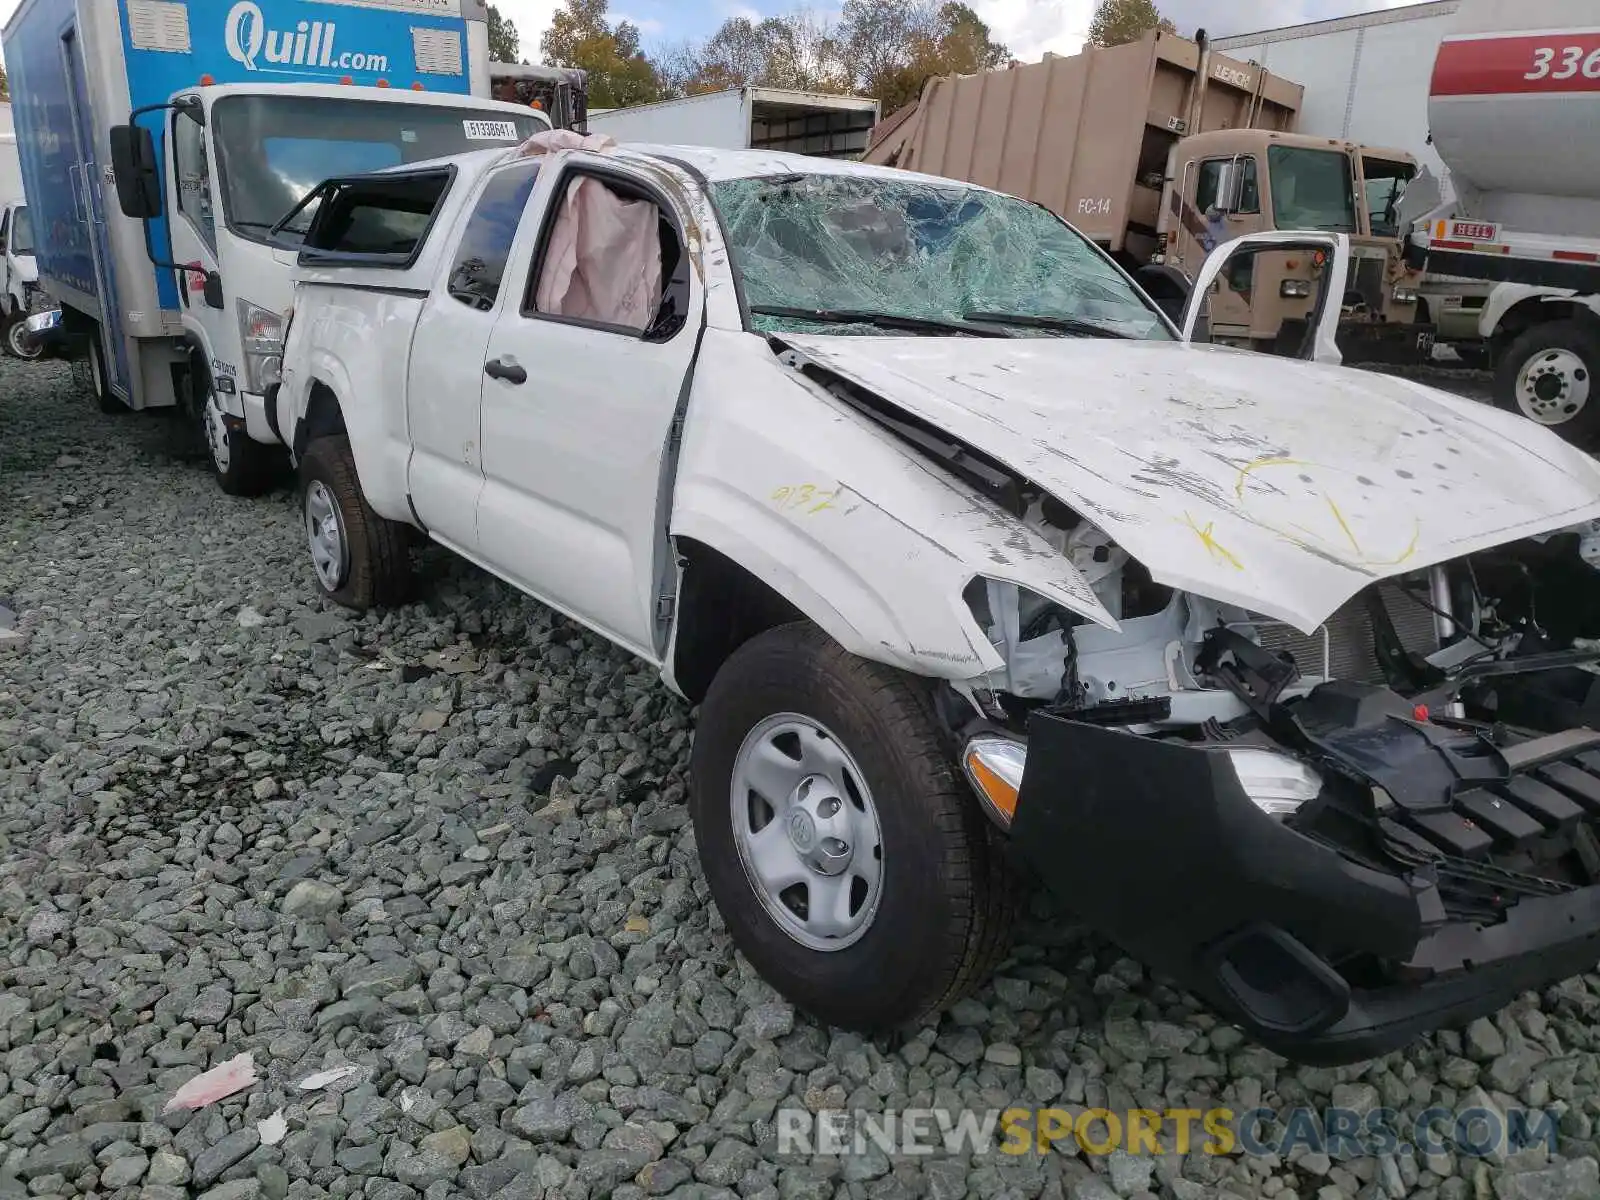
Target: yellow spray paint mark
1250, 468
1209, 541
1343, 524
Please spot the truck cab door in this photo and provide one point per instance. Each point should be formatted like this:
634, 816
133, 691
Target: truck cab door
584, 379
1223, 202
1321, 341
444, 381
193, 204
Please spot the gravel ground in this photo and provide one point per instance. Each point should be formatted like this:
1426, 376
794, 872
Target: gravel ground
446, 845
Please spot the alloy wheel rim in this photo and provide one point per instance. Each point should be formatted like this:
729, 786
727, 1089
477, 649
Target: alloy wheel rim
807, 831
325, 536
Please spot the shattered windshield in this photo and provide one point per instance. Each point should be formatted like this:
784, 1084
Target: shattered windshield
276, 149
849, 254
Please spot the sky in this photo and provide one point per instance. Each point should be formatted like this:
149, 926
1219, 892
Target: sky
1028, 27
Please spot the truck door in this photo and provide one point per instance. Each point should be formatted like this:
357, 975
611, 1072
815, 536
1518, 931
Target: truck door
192, 199
445, 378
1222, 202
84, 178
583, 378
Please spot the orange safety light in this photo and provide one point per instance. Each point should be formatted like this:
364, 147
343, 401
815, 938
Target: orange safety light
347, 80
383, 83
417, 87
539, 104
206, 81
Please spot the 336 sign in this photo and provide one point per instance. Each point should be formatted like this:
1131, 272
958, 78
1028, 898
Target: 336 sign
1573, 59
1518, 64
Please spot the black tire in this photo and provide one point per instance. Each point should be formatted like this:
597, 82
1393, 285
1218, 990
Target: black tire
1569, 353
100, 379
18, 343
241, 465
376, 567
948, 900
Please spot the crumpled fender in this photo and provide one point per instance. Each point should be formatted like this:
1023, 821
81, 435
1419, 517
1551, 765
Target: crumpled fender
853, 527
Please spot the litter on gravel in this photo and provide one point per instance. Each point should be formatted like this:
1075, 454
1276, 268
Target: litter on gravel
329, 1078
220, 1082
273, 1129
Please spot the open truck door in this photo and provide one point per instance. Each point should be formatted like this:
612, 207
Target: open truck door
1320, 343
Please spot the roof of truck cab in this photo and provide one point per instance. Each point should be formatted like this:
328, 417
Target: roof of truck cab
346, 91
720, 166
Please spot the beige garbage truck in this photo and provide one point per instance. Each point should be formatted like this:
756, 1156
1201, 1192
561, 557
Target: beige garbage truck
1160, 149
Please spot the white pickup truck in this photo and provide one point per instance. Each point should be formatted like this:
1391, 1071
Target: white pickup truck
978, 569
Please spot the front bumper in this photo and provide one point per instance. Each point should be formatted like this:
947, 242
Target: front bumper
1157, 845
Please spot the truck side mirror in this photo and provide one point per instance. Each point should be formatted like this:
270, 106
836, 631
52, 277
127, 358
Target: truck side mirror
1229, 180
213, 290
133, 161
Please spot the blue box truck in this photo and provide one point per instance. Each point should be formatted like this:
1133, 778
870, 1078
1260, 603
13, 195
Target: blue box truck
163, 140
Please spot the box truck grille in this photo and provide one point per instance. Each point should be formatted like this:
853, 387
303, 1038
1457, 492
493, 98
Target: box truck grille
1349, 644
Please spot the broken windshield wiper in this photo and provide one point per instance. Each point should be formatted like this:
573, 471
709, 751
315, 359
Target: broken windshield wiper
1054, 324
838, 316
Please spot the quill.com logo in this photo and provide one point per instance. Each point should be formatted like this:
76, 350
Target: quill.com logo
309, 44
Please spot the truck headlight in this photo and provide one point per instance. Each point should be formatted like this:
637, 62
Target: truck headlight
1295, 289
1405, 295
1277, 784
261, 333
994, 767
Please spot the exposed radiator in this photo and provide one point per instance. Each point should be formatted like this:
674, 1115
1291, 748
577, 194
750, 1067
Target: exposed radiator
1349, 642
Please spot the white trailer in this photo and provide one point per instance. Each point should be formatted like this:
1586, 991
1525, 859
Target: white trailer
1365, 77
750, 118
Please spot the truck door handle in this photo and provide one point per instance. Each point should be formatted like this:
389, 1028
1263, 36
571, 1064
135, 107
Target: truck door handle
499, 368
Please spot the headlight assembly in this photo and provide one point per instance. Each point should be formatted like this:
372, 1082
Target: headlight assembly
1276, 783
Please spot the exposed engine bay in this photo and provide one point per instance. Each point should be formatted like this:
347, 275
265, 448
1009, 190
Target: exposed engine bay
1179, 659
1388, 731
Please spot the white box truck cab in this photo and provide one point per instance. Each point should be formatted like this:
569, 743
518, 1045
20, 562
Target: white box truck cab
20, 294
162, 141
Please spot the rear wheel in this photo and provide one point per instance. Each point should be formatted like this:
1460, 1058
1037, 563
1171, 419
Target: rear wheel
19, 342
242, 465
1547, 375
851, 864
359, 559
100, 378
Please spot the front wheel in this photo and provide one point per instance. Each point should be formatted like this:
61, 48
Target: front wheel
19, 342
851, 864
359, 558
1547, 375
242, 466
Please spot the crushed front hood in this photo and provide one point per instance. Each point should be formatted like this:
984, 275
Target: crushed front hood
1280, 486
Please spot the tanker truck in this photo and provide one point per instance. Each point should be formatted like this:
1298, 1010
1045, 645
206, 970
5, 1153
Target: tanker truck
1512, 108
1159, 150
